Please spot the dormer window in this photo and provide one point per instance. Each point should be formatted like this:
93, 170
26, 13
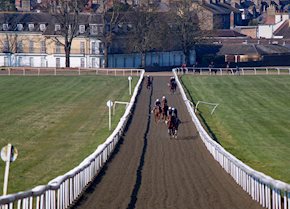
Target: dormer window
5, 26
82, 28
94, 30
57, 27
42, 27
30, 26
19, 27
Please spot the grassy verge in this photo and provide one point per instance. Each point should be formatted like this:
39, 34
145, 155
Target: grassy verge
55, 122
252, 119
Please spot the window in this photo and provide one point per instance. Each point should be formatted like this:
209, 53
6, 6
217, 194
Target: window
42, 27
93, 62
6, 61
43, 47
19, 27
82, 62
82, 28
57, 48
94, 29
31, 27
42, 61
20, 61
31, 46
19, 47
31, 62
57, 27
5, 26
6, 46
57, 62
93, 47
82, 47
101, 48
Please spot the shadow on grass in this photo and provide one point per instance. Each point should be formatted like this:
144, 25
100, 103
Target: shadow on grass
200, 116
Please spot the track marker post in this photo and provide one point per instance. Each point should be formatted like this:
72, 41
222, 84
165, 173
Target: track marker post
110, 104
8, 154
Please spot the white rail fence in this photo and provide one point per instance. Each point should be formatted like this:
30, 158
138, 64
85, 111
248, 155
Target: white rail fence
30, 71
235, 71
62, 191
270, 193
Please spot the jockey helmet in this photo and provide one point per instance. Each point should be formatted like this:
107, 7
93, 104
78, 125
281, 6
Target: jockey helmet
163, 97
169, 108
173, 108
157, 100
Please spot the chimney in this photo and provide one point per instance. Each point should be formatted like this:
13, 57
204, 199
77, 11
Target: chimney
232, 20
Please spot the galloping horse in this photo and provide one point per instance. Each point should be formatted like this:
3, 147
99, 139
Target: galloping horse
164, 108
172, 125
157, 113
148, 82
172, 85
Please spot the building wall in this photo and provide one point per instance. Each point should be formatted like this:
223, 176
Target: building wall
35, 55
174, 58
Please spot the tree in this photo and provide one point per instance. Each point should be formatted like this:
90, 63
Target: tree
146, 33
67, 15
7, 5
9, 43
110, 19
185, 27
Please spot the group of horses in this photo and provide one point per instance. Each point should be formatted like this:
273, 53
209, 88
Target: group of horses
162, 112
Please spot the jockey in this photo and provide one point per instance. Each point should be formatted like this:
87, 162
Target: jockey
157, 103
164, 100
169, 111
175, 117
174, 112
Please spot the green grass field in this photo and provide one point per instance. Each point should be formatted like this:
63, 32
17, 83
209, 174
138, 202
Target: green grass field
252, 120
55, 123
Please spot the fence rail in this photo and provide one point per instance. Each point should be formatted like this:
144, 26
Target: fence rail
32, 71
270, 193
234, 71
62, 191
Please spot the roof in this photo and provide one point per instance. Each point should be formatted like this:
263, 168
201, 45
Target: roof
13, 19
237, 49
283, 30
216, 9
228, 33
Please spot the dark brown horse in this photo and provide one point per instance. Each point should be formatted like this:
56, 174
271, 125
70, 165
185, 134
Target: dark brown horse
148, 82
172, 125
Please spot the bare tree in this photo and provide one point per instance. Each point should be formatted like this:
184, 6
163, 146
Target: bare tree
185, 27
9, 43
7, 5
146, 33
67, 15
110, 18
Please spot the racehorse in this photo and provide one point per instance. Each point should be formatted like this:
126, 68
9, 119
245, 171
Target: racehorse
148, 82
157, 113
164, 108
172, 125
172, 86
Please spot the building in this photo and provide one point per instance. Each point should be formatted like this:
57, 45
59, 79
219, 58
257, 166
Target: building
31, 40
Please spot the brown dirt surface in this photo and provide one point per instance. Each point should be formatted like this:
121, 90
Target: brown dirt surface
148, 170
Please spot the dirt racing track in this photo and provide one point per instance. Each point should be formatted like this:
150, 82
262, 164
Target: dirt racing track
150, 171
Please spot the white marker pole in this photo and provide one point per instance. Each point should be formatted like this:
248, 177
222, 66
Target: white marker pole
110, 104
6, 175
130, 79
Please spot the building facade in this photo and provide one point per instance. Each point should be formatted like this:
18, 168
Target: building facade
33, 42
